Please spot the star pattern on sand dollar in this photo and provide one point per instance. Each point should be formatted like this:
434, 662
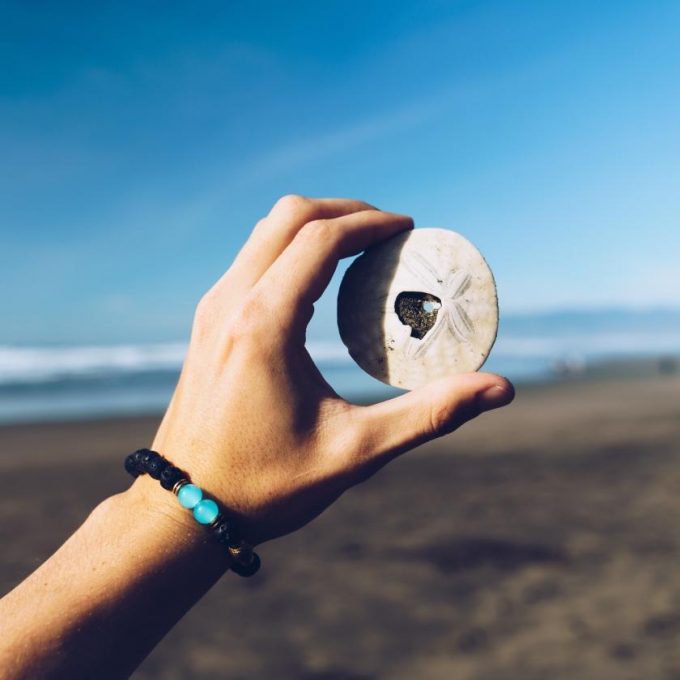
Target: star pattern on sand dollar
450, 289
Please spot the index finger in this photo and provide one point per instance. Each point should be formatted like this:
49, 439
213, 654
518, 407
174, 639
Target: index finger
301, 273
275, 232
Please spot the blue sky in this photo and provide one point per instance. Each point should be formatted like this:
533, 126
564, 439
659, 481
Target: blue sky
140, 141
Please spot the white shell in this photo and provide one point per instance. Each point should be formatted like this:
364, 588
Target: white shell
435, 261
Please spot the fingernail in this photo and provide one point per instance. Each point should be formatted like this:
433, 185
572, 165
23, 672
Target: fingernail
495, 397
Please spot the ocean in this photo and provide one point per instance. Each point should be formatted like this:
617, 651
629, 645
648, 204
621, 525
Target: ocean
73, 381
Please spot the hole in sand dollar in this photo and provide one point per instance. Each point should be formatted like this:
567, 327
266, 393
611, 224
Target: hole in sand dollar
417, 310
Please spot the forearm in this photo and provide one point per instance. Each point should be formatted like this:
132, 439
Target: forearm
101, 603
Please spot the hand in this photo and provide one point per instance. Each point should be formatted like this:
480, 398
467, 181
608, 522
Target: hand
252, 419
256, 426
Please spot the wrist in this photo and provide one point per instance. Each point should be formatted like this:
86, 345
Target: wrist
205, 510
146, 502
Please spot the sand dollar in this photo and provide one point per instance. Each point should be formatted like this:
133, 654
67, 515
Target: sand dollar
417, 307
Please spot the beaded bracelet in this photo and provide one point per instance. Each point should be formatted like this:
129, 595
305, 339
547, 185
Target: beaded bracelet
205, 510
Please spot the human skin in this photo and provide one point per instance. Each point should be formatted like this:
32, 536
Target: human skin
256, 426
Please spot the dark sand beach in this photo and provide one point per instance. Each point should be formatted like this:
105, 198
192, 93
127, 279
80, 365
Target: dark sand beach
542, 541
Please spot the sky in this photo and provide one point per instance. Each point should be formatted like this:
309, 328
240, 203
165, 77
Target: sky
139, 143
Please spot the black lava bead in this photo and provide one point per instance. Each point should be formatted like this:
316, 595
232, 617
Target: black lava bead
247, 569
222, 532
170, 476
148, 457
156, 466
131, 465
139, 459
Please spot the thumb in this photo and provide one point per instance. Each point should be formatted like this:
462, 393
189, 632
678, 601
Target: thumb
435, 409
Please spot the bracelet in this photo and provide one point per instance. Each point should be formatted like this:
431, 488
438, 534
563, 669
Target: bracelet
205, 510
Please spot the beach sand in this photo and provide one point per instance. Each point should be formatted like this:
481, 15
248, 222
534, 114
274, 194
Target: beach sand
542, 541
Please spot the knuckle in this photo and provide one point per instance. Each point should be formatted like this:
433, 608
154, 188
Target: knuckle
292, 205
317, 231
446, 414
260, 225
204, 319
250, 317
205, 309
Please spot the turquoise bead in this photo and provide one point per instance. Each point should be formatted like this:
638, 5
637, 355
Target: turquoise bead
189, 496
206, 511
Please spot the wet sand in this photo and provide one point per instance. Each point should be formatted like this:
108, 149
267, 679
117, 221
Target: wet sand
542, 541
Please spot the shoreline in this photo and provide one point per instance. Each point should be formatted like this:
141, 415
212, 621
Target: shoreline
601, 371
